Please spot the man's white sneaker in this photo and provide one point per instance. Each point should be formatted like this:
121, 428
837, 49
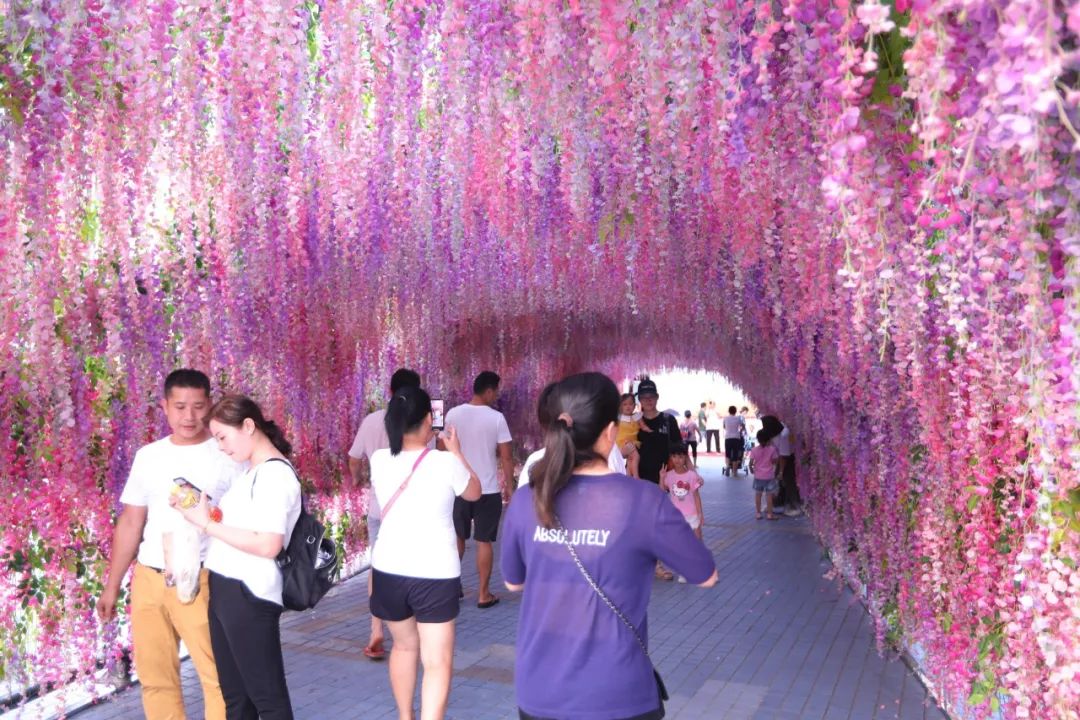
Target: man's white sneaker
793, 512
682, 579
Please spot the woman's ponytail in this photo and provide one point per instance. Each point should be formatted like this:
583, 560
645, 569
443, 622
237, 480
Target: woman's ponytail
276, 436
577, 410
406, 412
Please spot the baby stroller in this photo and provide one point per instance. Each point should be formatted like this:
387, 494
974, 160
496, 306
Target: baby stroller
734, 455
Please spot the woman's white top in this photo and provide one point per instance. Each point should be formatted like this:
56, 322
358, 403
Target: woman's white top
265, 499
615, 461
782, 443
417, 538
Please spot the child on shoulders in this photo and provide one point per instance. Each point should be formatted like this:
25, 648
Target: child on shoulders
763, 460
630, 424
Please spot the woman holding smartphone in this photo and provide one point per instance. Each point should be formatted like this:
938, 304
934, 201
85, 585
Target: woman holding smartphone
416, 572
258, 514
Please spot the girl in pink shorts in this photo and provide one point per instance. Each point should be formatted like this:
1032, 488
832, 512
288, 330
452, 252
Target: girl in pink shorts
763, 460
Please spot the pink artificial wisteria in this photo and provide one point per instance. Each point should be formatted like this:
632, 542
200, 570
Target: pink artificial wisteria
866, 214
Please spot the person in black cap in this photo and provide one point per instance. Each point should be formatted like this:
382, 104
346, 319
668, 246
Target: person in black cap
656, 445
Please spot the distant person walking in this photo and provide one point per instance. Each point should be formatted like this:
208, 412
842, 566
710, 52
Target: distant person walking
485, 443
713, 425
371, 437
752, 426
689, 430
581, 542
416, 571
734, 444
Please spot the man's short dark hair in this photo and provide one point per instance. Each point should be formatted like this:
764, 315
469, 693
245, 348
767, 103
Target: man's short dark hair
732, 410
187, 378
403, 377
703, 404
485, 381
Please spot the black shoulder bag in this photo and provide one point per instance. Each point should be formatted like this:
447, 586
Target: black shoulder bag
661, 689
309, 564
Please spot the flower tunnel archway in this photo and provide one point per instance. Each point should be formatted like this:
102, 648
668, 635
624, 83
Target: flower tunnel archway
864, 214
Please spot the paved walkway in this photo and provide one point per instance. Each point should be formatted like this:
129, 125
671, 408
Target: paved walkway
773, 640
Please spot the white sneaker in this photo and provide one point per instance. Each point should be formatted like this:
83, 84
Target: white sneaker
682, 579
793, 512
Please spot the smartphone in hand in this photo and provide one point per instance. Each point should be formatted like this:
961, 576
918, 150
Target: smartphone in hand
187, 493
437, 422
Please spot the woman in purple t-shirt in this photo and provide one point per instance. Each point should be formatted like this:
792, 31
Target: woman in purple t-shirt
576, 659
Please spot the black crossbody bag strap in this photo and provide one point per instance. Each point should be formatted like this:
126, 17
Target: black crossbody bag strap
618, 613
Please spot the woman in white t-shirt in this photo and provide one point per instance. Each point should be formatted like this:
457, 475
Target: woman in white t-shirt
416, 571
713, 425
258, 514
615, 458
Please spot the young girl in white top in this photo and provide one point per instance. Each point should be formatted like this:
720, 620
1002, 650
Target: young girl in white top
416, 571
258, 514
682, 484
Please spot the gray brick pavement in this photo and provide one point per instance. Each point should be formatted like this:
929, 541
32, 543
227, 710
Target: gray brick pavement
773, 641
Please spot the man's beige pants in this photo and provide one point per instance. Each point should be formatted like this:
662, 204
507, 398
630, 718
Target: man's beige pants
159, 621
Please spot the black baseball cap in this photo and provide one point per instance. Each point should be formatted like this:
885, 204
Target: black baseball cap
647, 387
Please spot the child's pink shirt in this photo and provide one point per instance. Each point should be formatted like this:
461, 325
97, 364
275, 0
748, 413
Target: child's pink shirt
681, 488
764, 458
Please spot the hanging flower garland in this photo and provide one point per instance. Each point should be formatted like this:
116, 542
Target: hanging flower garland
874, 205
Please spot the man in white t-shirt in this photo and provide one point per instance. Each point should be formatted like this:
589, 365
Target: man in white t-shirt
485, 442
713, 425
158, 619
734, 429
371, 437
